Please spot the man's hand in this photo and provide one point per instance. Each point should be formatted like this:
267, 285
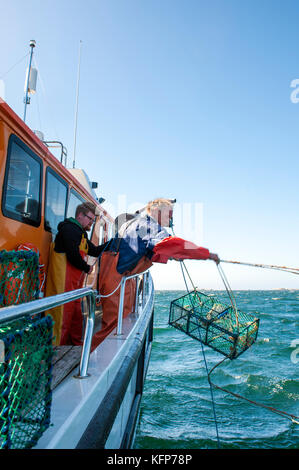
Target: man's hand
215, 258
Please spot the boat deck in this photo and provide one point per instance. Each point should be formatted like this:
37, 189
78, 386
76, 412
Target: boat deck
67, 358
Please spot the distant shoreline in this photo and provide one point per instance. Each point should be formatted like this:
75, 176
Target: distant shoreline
234, 290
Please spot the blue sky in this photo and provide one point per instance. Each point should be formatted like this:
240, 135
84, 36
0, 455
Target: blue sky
186, 99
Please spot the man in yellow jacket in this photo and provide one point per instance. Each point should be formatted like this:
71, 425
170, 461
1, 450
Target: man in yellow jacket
67, 268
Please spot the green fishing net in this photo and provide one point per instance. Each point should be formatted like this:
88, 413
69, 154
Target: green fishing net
19, 277
25, 356
214, 324
25, 381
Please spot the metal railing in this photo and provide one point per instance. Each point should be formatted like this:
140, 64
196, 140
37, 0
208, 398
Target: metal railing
14, 312
124, 279
34, 307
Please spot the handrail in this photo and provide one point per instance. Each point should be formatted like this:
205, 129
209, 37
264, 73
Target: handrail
34, 307
122, 294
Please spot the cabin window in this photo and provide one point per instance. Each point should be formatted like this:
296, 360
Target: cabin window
56, 199
101, 234
110, 231
100, 231
21, 198
74, 201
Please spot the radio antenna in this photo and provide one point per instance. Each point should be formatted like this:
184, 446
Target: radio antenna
77, 100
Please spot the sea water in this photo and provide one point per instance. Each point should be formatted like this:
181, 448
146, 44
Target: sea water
176, 408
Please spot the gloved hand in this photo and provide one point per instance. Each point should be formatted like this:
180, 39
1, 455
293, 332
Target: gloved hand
215, 258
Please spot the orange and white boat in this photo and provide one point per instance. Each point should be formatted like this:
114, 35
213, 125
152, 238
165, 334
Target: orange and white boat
95, 396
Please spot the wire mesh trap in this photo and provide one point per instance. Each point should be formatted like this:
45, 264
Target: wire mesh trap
25, 381
204, 318
25, 356
19, 277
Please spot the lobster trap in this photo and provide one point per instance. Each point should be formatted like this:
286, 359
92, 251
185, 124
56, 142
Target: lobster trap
223, 328
19, 277
25, 381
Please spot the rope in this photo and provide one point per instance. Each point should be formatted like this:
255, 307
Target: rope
229, 292
99, 296
13, 66
48, 104
291, 417
182, 264
205, 361
108, 295
267, 266
193, 286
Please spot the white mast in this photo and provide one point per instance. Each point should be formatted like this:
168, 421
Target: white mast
76, 112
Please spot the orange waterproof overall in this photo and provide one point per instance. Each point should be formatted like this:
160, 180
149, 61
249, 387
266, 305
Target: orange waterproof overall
63, 277
109, 279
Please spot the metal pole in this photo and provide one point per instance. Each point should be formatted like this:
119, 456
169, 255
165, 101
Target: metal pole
121, 306
87, 338
77, 100
32, 45
143, 289
136, 295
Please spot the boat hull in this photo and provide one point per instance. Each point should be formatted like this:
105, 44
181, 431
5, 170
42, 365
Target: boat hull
101, 411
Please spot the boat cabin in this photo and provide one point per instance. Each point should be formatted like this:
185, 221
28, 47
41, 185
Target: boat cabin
37, 191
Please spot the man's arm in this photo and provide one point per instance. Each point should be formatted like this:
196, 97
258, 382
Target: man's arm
178, 248
94, 250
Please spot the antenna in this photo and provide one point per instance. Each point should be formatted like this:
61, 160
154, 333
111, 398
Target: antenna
27, 91
76, 113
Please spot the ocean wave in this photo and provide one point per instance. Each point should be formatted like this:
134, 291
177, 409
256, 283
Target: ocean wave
176, 410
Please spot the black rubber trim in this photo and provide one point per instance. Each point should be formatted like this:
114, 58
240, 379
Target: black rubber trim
98, 430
